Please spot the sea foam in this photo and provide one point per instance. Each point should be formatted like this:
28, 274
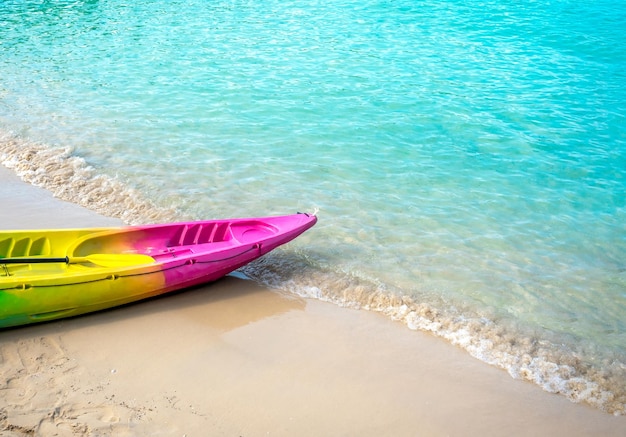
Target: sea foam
71, 178
553, 365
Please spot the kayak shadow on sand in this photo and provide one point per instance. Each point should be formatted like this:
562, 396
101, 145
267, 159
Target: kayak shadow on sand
224, 305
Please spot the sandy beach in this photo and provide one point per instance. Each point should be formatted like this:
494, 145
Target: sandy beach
236, 359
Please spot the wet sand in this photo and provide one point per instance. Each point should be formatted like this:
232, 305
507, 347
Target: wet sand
236, 359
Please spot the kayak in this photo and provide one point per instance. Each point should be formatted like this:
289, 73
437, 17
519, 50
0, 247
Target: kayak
52, 274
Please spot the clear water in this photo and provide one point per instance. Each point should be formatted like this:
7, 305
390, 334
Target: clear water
467, 159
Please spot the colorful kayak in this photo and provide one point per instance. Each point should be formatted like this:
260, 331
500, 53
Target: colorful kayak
52, 274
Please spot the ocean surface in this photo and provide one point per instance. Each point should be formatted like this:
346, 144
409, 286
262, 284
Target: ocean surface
467, 159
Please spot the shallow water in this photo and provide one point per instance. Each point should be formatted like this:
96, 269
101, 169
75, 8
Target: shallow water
467, 159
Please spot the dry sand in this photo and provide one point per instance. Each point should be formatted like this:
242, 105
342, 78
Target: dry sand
236, 359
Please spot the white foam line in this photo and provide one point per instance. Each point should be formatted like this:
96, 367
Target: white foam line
71, 178
554, 367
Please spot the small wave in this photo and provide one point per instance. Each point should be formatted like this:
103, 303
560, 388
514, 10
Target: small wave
69, 177
554, 366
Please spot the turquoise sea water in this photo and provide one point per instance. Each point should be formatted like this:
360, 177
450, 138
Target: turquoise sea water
467, 159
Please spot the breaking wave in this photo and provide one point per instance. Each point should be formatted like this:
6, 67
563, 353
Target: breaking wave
71, 178
554, 365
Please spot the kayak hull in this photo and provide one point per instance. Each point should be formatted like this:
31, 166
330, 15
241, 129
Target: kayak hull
175, 256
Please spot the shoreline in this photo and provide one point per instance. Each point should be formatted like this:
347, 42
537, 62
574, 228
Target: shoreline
236, 358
